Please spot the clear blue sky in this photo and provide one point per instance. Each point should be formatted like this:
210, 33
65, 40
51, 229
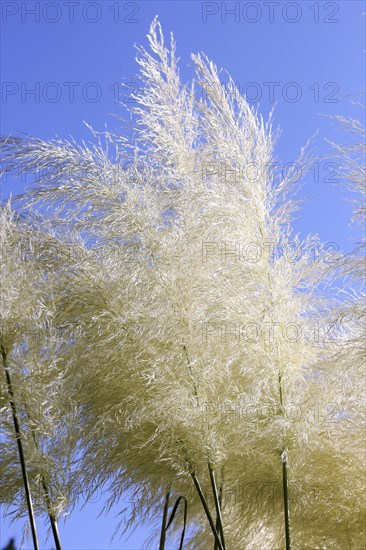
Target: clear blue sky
306, 57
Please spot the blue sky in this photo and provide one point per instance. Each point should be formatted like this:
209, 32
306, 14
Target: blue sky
305, 57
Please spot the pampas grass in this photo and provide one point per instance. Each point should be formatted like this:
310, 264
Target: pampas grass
31, 383
179, 354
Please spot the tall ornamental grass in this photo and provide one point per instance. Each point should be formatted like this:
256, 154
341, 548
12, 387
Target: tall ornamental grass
196, 360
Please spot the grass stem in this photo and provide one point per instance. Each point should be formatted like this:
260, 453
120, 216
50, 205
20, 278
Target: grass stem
21, 452
207, 511
163, 524
219, 525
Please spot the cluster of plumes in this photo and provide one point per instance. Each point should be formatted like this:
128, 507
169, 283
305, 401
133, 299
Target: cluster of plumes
31, 353
175, 322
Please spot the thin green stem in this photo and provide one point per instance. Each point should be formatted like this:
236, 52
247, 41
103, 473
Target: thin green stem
46, 493
280, 389
207, 511
21, 452
184, 524
172, 516
163, 525
219, 525
220, 503
55, 532
286, 502
201, 496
